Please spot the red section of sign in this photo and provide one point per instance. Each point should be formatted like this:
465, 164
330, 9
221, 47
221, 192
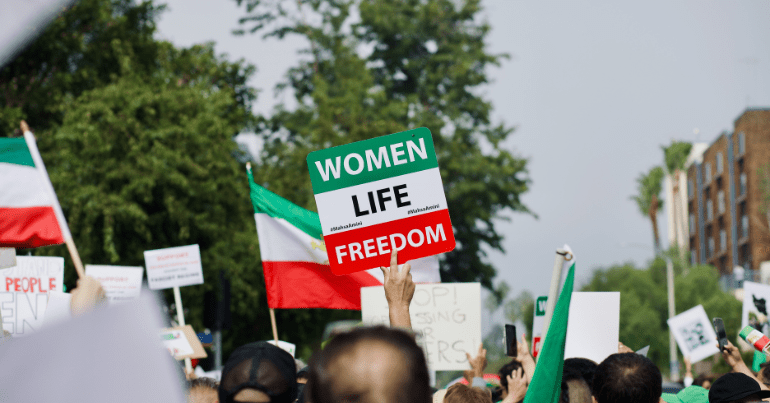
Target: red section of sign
414, 237
536, 345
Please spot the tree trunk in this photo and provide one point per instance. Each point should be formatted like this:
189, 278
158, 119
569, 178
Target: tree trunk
654, 219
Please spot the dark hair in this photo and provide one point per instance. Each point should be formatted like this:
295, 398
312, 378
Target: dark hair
210, 383
580, 367
627, 378
701, 379
459, 393
417, 382
506, 370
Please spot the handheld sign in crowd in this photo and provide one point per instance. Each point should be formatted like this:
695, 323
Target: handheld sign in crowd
381, 194
173, 267
120, 283
537, 325
694, 334
446, 318
755, 303
24, 291
181, 342
594, 325
285, 346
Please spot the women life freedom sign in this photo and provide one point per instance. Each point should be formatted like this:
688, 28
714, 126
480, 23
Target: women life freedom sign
377, 195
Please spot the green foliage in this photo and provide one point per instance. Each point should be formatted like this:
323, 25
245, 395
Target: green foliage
647, 186
675, 155
427, 62
644, 303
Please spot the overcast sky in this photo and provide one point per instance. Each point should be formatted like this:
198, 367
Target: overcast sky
594, 89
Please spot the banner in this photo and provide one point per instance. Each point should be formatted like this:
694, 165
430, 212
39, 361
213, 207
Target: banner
694, 334
377, 195
755, 303
173, 267
24, 292
446, 318
120, 283
594, 325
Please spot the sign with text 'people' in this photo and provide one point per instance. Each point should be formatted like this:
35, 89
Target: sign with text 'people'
173, 267
120, 283
381, 194
24, 291
446, 318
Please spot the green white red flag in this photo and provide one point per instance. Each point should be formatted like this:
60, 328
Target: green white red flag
295, 263
30, 215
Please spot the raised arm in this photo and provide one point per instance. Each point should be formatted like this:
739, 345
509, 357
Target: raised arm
525, 358
732, 355
399, 290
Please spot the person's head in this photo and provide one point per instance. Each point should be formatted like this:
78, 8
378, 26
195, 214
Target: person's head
506, 370
627, 378
203, 390
736, 387
370, 364
258, 372
703, 381
576, 380
459, 393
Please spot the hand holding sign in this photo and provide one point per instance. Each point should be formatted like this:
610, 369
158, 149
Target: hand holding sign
399, 291
87, 295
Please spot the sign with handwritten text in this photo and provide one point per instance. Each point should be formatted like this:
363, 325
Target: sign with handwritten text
24, 291
120, 283
173, 267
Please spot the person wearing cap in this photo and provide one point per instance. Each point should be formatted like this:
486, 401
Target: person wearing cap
258, 373
736, 387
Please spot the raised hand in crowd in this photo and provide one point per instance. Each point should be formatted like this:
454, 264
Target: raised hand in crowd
688, 378
517, 386
87, 295
399, 290
478, 364
732, 356
525, 358
622, 348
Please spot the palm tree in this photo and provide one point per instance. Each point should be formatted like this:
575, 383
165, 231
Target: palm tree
675, 157
648, 199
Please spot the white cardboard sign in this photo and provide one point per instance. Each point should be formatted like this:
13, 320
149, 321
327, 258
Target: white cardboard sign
446, 318
176, 342
285, 346
594, 325
694, 334
173, 267
120, 283
756, 298
24, 291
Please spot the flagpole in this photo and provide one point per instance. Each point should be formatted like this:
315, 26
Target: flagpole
553, 293
66, 234
272, 311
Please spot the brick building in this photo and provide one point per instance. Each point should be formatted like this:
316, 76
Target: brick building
726, 223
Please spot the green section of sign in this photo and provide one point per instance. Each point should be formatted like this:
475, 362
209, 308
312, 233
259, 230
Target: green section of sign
540, 306
371, 160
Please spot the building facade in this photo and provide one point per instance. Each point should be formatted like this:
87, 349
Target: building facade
727, 221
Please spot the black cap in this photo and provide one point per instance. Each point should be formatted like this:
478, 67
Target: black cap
260, 366
735, 386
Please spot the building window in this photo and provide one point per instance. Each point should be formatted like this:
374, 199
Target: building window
709, 210
721, 201
692, 223
744, 226
711, 247
707, 174
722, 240
743, 184
693, 257
690, 189
741, 143
719, 164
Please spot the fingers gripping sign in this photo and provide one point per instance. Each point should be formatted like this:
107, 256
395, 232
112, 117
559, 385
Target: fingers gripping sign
399, 291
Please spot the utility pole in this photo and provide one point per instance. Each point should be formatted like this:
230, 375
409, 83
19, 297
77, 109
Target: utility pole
673, 358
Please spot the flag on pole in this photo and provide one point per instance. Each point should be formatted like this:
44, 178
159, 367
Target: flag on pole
546, 382
295, 262
30, 215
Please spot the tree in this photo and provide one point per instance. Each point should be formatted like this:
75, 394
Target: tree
644, 306
427, 62
675, 156
648, 199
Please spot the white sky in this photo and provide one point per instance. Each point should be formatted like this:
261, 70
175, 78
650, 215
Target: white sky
594, 89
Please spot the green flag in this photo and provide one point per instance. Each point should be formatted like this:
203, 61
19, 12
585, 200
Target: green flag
546, 383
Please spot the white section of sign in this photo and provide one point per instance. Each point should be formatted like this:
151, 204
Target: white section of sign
7, 258
446, 318
120, 283
424, 190
34, 274
594, 325
173, 267
756, 298
694, 334
285, 346
58, 309
22, 312
176, 342
423, 270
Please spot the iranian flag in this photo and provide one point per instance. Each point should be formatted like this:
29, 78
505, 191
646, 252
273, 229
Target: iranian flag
30, 215
295, 263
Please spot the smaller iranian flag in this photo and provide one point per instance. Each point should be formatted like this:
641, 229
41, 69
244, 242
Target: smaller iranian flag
30, 215
295, 263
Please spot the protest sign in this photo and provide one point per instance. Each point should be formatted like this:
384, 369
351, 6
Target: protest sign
120, 283
694, 334
24, 291
594, 325
58, 309
182, 342
446, 318
7, 258
173, 267
755, 303
537, 325
377, 195
285, 346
